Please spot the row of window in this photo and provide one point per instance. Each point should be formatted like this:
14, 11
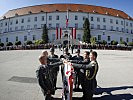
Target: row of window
111, 28
111, 21
109, 38
76, 18
25, 38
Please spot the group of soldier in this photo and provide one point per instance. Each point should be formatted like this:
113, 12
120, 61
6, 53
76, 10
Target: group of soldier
85, 68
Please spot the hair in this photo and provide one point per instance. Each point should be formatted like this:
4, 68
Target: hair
94, 53
87, 52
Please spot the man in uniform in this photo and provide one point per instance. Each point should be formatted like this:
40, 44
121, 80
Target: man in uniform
56, 69
77, 71
89, 84
44, 76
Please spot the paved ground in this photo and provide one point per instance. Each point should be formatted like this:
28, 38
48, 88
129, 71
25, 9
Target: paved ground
17, 76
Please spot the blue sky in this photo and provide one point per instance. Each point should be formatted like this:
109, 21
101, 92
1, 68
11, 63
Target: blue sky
124, 5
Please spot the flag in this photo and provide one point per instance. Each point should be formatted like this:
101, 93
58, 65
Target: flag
56, 33
60, 33
67, 19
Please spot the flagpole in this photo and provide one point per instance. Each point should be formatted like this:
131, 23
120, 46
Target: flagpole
67, 27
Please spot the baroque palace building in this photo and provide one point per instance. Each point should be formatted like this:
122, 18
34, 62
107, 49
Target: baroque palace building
26, 23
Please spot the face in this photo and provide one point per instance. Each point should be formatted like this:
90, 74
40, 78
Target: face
52, 52
92, 57
78, 53
85, 55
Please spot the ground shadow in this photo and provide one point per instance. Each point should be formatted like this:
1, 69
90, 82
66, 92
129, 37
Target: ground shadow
109, 95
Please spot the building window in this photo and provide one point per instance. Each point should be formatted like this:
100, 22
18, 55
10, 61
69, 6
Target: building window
16, 21
111, 20
122, 29
22, 27
0, 40
35, 19
131, 31
116, 21
130, 24
112, 28
42, 25
50, 25
35, 26
22, 21
5, 29
50, 17
16, 38
104, 20
76, 25
127, 40
28, 26
92, 19
109, 38
6, 24
92, 26
16, 28
83, 17
10, 29
76, 17
1, 24
25, 38
28, 19
57, 17
99, 37
6, 39
34, 37
79, 37
121, 22
127, 30
104, 27
53, 37
126, 23
117, 28
98, 19
98, 26
121, 39
57, 25
42, 18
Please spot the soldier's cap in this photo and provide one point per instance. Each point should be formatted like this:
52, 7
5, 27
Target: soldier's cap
78, 50
51, 49
66, 49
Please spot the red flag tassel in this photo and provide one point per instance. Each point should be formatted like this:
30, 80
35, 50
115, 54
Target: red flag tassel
56, 33
60, 33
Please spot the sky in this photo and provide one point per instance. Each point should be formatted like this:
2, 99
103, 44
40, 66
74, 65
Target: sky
124, 5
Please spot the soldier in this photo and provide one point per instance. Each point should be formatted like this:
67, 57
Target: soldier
44, 76
77, 78
90, 82
66, 56
56, 69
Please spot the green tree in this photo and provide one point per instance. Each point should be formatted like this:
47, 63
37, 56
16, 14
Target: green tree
93, 40
29, 42
87, 35
123, 42
114, 42
130, 43
9, 44
1, 44
45, 34
37, 42
18, 43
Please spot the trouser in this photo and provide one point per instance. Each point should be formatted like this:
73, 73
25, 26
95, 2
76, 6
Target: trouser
77, 79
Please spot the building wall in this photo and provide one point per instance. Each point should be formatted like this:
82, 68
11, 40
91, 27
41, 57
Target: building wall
12, 27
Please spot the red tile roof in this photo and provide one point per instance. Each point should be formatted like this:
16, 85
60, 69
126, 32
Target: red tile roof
65, 7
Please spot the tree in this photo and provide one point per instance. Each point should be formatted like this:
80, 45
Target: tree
93, 40
37, 42
1, 44
45, 34
18, 43
29, 42
123, 42
87, 35
114, 42
9, 44
130, 43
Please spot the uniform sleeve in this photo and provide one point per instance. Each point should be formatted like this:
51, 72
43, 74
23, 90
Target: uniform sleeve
75, 65
40, 78
57, 64
54, 59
